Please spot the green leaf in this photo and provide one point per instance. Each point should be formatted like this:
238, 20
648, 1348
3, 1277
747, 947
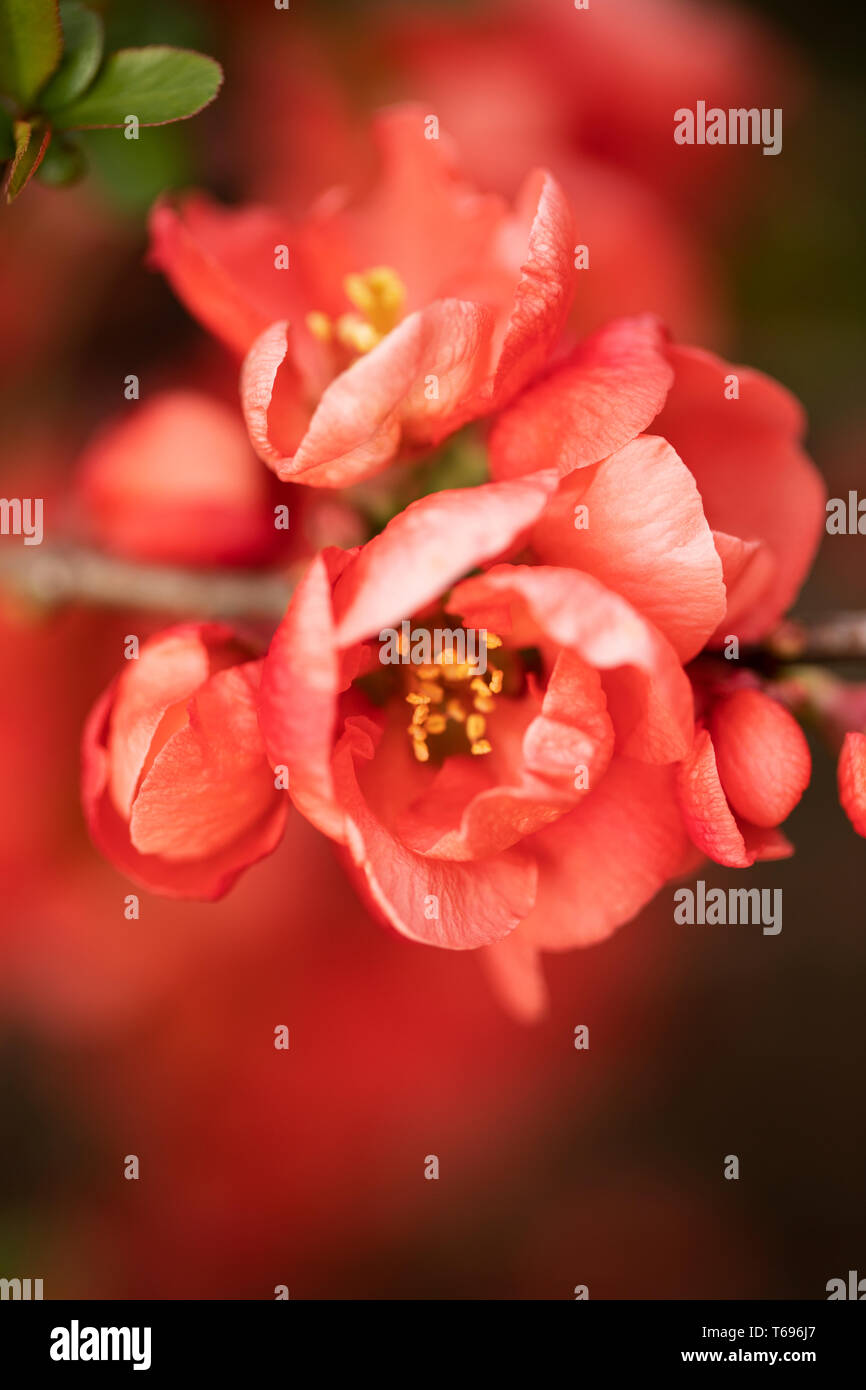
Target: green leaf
30, 46
7, 135
155, 84
82, 54
31, 142
62, 164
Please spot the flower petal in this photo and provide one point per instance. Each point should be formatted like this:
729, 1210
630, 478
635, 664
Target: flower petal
221, 263
599, 865
709, 819
603, 395
762, 756
852, 780
298, 695
177, 481
645, 537
545, 286
436, 901
357, 426
649, 696
424, 549
169, 668
755, 480
210, 783
533, 767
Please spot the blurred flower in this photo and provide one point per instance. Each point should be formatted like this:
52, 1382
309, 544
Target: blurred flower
404, 315
852, 779
175, 479
175, 786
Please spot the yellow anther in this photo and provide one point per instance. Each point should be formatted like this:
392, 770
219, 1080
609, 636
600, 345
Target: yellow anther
447, 695
379, 294
475, 726
320, 326
460, 671
356, 333
493, 641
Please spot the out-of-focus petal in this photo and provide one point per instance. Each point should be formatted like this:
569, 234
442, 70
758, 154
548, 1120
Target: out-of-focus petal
755, 480
221, 262
175, 479
852, 780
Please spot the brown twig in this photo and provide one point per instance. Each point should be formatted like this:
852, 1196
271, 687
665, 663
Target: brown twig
52, 575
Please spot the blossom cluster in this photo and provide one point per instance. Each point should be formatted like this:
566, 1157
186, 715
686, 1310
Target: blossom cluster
647, 512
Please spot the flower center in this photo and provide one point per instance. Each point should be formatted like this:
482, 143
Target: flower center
450, 702
379, 297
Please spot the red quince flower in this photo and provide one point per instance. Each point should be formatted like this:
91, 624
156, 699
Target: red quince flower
578, 726
588, 782
378, 324
175, 786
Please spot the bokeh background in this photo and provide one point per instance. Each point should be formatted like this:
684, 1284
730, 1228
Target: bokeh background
155, 1037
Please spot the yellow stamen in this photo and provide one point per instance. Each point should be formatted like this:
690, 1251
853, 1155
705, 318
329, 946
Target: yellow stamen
493, 641
475, 726
495, 681
436, 724
380, 295
320, 326
480, 746
356, 333
421, 751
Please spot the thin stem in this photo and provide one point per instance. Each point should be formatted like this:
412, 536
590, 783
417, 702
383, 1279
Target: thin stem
51, 575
